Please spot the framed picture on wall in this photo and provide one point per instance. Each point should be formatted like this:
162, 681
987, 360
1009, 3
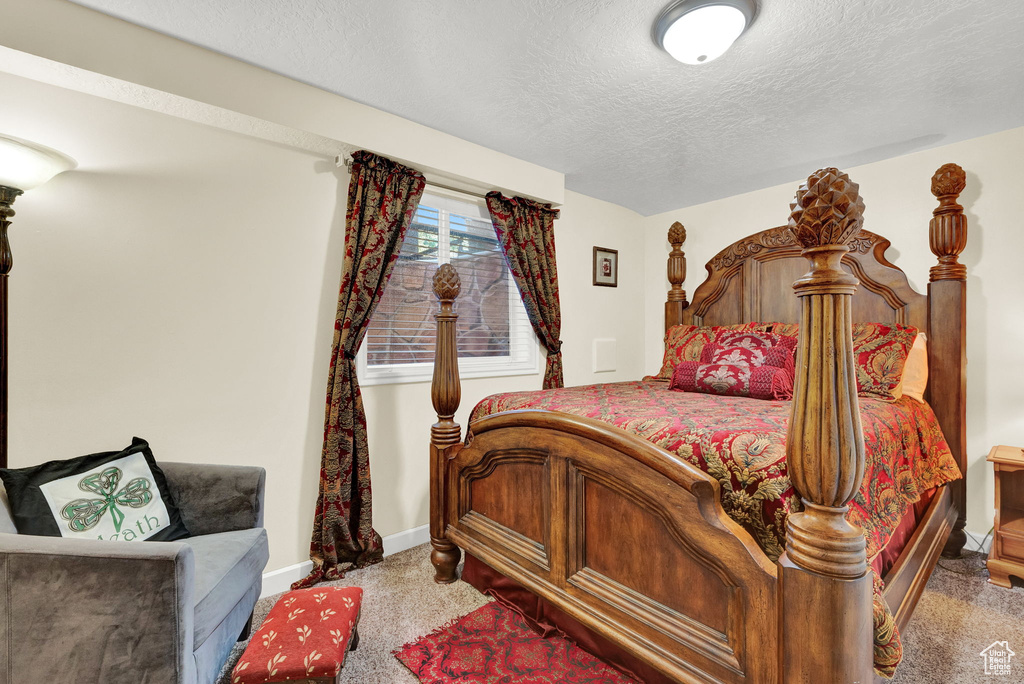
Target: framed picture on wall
606, 267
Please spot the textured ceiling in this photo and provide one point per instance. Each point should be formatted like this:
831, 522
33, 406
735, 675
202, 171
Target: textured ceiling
578, 86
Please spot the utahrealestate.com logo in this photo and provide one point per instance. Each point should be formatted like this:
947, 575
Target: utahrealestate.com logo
84, 514
997, 658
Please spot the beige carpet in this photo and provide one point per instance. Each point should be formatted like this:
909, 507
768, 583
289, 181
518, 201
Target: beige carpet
959, 615
401, 602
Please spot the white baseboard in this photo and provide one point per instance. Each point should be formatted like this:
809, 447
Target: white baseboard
978, 542
276, 581
402, 541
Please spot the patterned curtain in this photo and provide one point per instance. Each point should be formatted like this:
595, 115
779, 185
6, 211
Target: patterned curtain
525, 230
382, 198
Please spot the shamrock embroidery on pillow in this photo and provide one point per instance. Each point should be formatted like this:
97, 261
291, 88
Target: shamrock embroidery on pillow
84, 514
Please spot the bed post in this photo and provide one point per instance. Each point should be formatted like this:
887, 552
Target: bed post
676, 275
947, 327
445, 434
825, 589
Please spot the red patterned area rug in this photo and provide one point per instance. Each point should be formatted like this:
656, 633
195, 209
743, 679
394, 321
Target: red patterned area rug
494, 644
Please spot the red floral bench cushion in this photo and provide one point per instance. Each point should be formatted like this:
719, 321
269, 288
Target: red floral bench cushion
306, 636
741, 364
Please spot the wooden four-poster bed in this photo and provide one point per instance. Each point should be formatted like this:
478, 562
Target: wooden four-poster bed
632, 542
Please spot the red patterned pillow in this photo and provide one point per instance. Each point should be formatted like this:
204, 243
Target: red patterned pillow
743, 364
880, 352
306, 635
685, 343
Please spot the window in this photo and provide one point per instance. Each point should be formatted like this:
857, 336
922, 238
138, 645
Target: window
494, 334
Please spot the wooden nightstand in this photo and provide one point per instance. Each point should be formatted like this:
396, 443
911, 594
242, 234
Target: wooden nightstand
1007, 555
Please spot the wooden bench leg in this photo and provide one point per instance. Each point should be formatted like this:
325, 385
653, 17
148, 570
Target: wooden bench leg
354, 643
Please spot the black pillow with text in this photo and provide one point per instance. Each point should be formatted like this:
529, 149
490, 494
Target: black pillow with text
114, 495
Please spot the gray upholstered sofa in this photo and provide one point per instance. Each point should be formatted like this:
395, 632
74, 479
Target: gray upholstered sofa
140, 612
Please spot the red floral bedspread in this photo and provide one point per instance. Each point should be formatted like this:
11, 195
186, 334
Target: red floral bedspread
741, 443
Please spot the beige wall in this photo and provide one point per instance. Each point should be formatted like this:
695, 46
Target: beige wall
181, 286
899, 205
176, 287
185, 276
398, 456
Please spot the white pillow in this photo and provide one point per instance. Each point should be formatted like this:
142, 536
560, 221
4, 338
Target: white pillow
914, 380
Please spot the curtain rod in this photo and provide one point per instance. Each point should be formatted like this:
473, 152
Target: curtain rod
348, 165
460, 190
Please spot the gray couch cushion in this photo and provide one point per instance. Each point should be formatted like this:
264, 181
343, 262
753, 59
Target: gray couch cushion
227, 565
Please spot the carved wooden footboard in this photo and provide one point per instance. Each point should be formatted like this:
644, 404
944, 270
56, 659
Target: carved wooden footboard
614, 532
633, 542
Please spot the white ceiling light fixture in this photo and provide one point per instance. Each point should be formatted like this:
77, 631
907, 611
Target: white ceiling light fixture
698, 31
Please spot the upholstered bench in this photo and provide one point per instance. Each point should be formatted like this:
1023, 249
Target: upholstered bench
304, 639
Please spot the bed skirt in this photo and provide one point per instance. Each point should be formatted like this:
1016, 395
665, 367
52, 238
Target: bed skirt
547, 620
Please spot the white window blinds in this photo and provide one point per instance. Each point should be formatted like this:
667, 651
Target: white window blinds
494, 335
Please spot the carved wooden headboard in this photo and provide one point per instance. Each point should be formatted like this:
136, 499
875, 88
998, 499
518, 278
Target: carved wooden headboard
752, 280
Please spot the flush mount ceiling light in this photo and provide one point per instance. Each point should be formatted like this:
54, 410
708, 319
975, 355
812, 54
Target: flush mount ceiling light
698, 31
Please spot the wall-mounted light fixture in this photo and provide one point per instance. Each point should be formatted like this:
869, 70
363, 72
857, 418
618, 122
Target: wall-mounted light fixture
23, 166
698, 31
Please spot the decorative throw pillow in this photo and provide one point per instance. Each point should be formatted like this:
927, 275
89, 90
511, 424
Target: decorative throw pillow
114, 495
752, 364
880, 352
685, 342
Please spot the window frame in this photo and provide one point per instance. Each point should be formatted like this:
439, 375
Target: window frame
469, 366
